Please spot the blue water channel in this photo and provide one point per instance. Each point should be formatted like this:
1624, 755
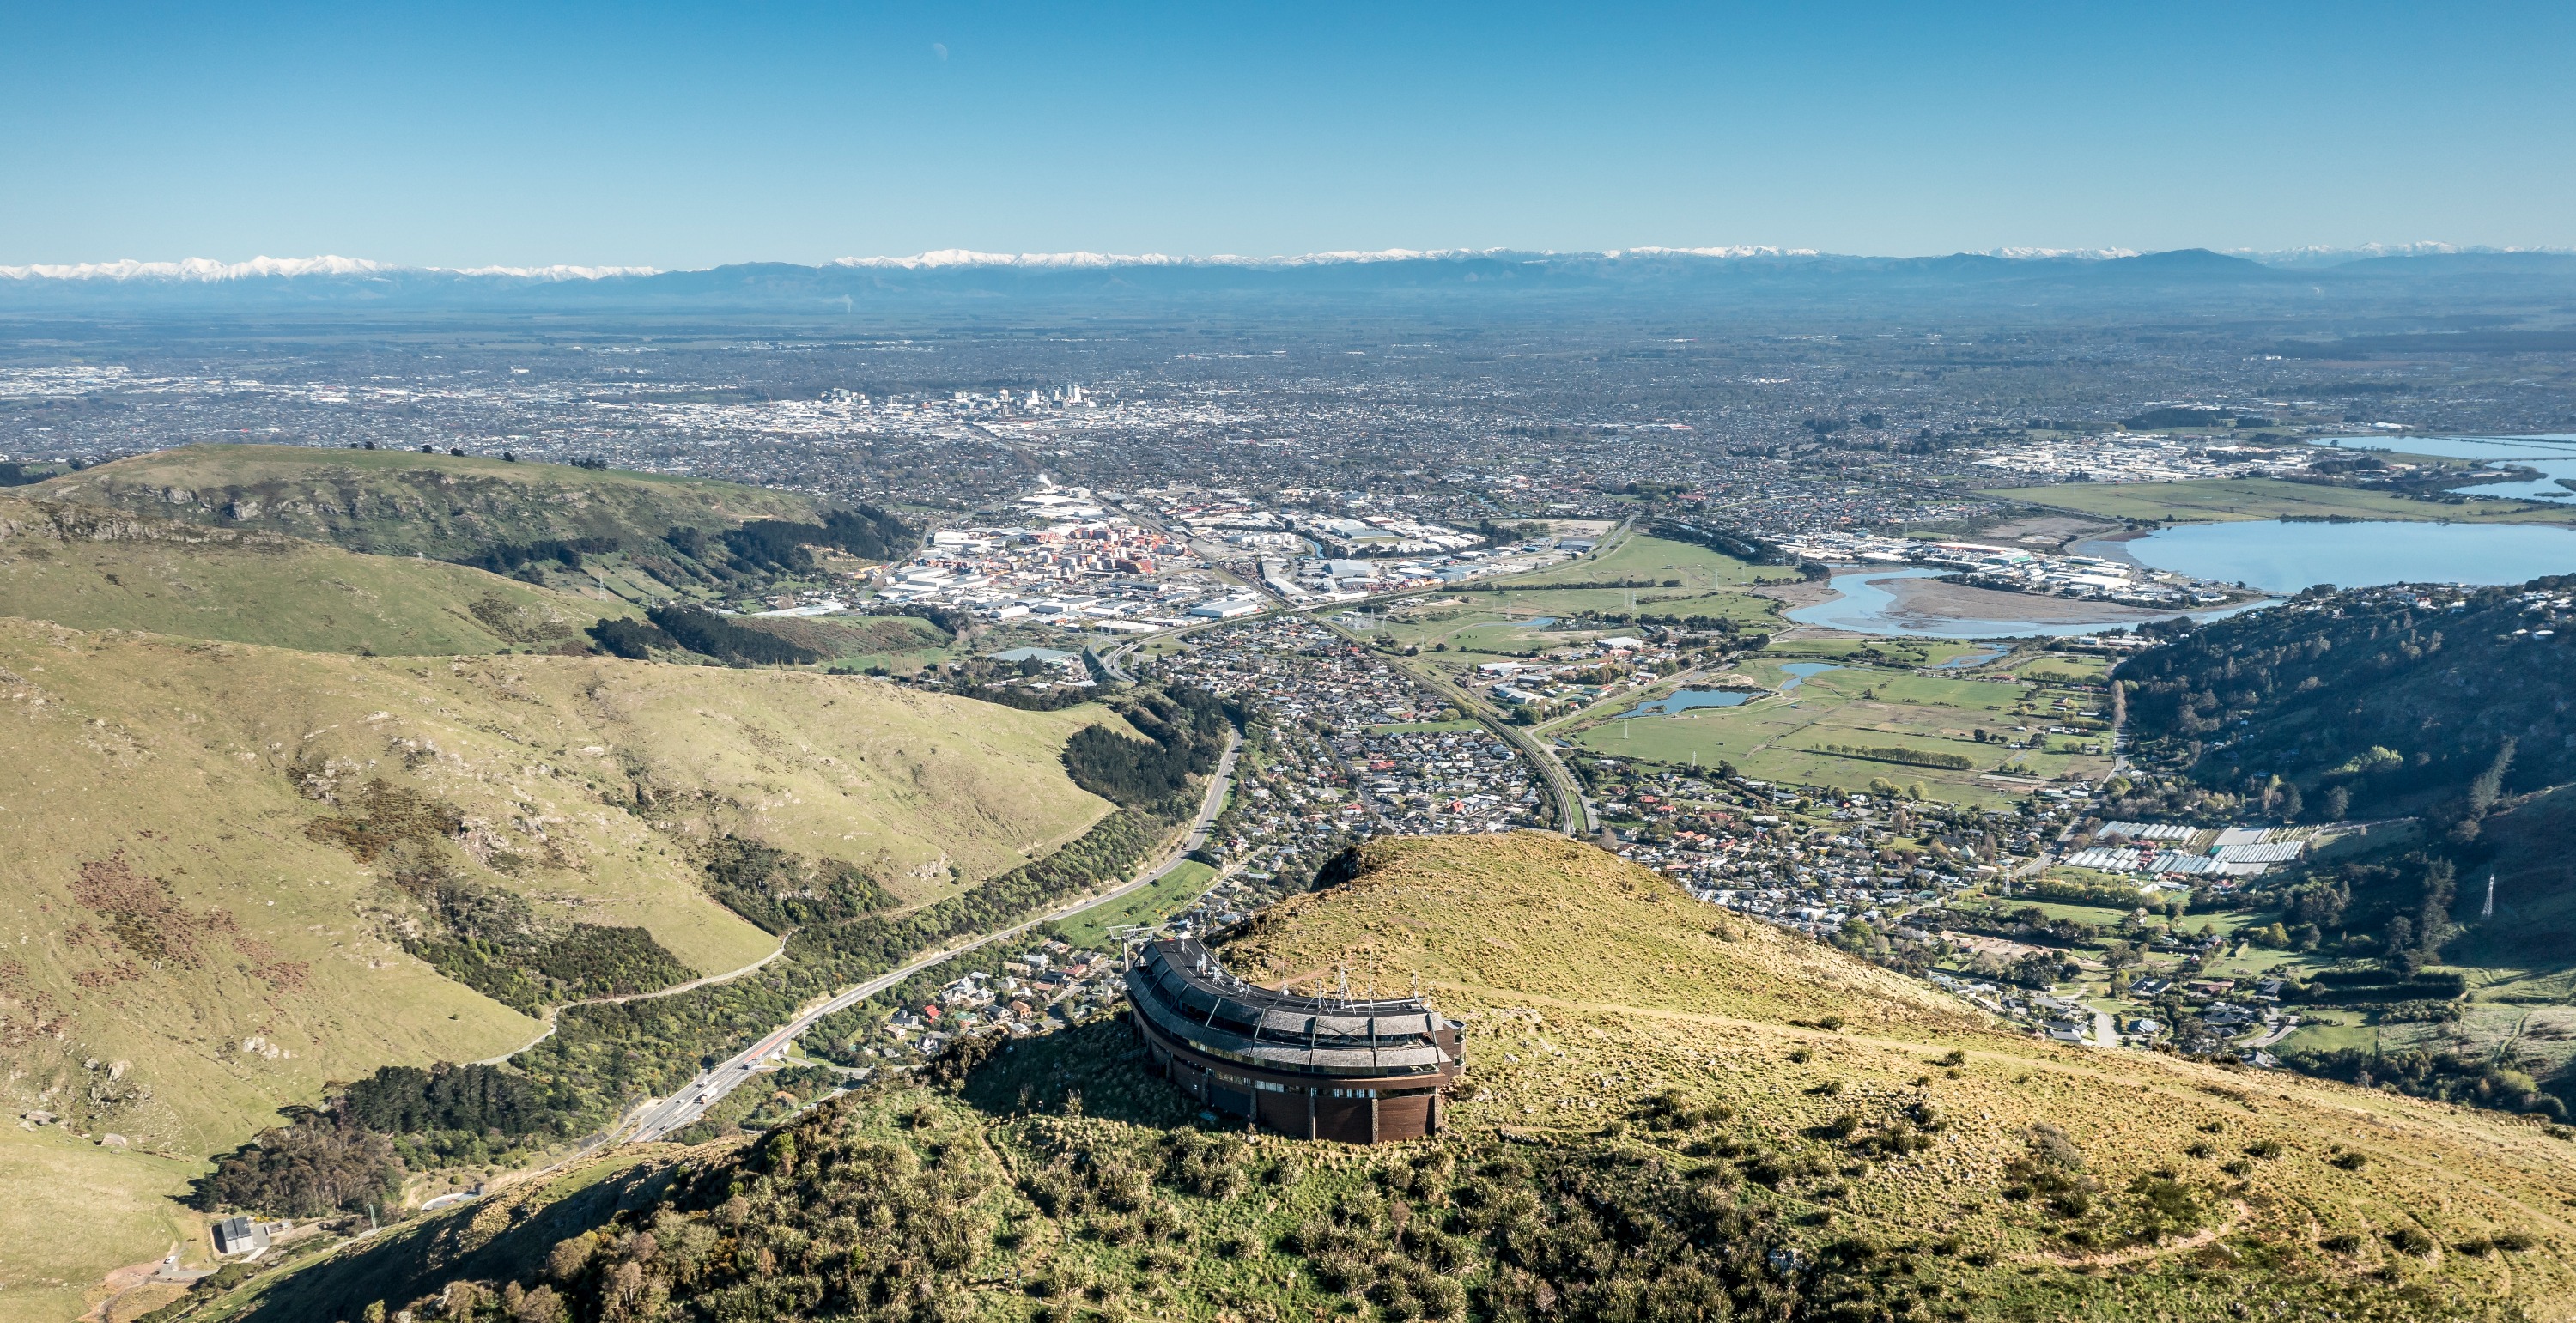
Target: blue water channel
2553, 456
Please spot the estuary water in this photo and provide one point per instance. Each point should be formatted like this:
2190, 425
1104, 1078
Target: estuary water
2552, 455
2278, 557
2270, 556
1868, 602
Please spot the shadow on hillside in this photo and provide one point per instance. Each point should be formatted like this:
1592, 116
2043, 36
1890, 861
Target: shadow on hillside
426, 1256
1099, 1064
2534, 926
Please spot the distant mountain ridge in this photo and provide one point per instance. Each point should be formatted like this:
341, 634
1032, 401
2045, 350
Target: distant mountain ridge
963, 278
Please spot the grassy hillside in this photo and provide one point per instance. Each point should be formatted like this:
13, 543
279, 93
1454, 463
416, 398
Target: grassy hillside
1669, 1116
403, 502
224, 861
94, 568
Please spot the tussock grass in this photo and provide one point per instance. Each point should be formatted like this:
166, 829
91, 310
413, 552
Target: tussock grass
76, 566
176, 908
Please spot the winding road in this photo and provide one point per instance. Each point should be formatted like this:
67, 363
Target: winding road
666, 1116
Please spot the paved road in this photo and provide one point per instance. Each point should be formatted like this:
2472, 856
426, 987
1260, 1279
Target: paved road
1571, 817
1109, 662
665, 1116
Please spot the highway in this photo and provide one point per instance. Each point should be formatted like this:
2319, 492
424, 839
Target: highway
1572, 818
665, 1116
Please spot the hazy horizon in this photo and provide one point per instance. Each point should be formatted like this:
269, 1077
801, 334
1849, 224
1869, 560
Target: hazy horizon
678, 138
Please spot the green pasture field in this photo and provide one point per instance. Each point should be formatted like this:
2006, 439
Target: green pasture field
1778, 738
2093, 877
103, 1208
2099, 915
858, 642
1899, 651
2219, 499
1658, 559
2078, 670
2315, 1037
1494, 618
1170, 893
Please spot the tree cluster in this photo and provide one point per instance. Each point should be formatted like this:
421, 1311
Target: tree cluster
2359, 702
781, 891
700, 630
1185, 731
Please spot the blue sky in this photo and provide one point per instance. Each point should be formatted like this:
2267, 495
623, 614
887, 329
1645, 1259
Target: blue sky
666, 135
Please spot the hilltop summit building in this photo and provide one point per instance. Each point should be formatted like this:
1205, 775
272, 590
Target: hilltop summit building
1361, 1072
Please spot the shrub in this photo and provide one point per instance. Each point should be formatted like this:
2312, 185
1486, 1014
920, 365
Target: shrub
632, 639
312, 1168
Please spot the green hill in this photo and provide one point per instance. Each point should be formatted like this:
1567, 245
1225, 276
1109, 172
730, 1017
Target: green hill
2366, 701
238, 873
641, 537
404, 502
1669, 1115
100, 568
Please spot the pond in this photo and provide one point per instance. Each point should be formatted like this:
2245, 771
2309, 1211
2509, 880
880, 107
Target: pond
2284, 557
1977, 657
1683, 700
1799, 671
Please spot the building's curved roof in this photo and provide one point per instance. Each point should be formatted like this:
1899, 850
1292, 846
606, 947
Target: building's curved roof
1180, 987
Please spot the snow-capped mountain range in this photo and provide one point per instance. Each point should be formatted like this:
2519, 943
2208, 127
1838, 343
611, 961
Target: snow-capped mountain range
210, 271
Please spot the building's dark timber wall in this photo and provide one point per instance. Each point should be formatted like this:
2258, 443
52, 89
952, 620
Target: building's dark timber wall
1359, 1072
1353, 1111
